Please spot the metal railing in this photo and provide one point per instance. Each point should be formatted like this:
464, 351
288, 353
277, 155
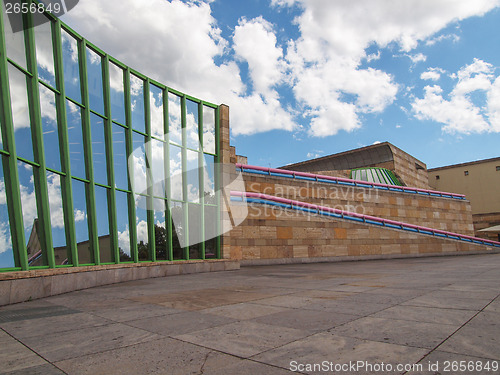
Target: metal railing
367, 219
343, 181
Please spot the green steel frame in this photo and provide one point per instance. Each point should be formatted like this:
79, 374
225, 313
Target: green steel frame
10, 158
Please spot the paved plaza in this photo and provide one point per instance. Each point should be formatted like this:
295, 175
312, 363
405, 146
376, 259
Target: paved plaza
419, 316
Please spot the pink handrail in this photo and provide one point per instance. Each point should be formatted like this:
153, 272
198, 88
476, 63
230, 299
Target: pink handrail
384, 222
347, 180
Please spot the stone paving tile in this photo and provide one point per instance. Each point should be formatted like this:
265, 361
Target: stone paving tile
338, 350
246, 367
46, 369
493, 306
290, 301
75, 343
402, 332
309, 320
347, 307
444, 363
245, 338
178, 324
426, 314
45, 326
14, 356
135, 311
448, 302
243, 311
462, 294
164, 356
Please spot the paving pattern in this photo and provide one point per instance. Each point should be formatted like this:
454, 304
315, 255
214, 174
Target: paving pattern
425, 314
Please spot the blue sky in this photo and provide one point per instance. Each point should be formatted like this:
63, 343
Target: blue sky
308, 78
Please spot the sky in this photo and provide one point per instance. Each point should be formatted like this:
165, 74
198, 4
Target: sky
309, 78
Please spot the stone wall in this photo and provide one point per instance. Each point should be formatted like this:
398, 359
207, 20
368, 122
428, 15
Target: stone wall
482, 221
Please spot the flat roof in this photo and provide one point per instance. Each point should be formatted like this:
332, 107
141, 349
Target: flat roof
464, 164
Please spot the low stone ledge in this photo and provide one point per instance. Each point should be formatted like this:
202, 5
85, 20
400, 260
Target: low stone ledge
21, 286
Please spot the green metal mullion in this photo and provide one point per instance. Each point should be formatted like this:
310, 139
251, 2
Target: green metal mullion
66, 186
149, 174
39, 174
166, 150
87, 146
129, 144
217, 183
108, 139
184, 176
11, 175
201, 169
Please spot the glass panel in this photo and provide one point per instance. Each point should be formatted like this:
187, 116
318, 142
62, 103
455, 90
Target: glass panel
123, 226
75, 140
192, 135
44, 51
20, 113
32, 231
57, 218
177, 214
195, 231
82, 231
209, 179
6, 252
71, 66
101, 205
117, 93
14, 40
49, 128
94, 74
156, 107
209, 129
210, 232
176, 172
174, 119
120, 157
142, 227
137, 103
193, 177
157, 166
98, 149
139, 163
161, 234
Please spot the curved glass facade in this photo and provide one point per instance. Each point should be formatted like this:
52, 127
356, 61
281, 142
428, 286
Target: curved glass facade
99, 163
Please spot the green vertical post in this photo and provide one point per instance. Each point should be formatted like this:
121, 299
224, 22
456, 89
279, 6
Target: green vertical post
130, 149
11, 176
201, 176
217, 182
66, 188
166, 154
185, 199
87, 145
108, 139
39, 173
149, 174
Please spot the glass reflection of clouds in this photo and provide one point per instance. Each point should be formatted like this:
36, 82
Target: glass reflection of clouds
49, 128
193, 177
6, 254
209, 179
161, 234
192, 135
44, 52
174, 119
209, 129
117, 93
75, 140
81, 226
138, 163
57, 217
156, 162
137, 103
176, 173
156, 107
120, 157
98, 149
123, 226
101, 204
94, 75
71, 66
142, 227
14, 41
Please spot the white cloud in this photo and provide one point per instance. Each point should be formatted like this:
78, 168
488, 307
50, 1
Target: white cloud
432, 74
416, 58
459, 113
453, 37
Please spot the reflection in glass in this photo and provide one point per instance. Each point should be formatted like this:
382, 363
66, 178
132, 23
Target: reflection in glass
32, 228
14, 41
210, 231
209, 179
120, 157
123, 226
98, 149
49, 128
81, 227
174, 119
139, 163
117, 93
192, 135
137, 103
71, 66
94, 74
156, 107
75, 140
57, 218
101, 206
176, 172
6, 253
161, 234
20, 113
156, 160
193, 177
177, 214
195, 231
209, 129
44, 51
142, 227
